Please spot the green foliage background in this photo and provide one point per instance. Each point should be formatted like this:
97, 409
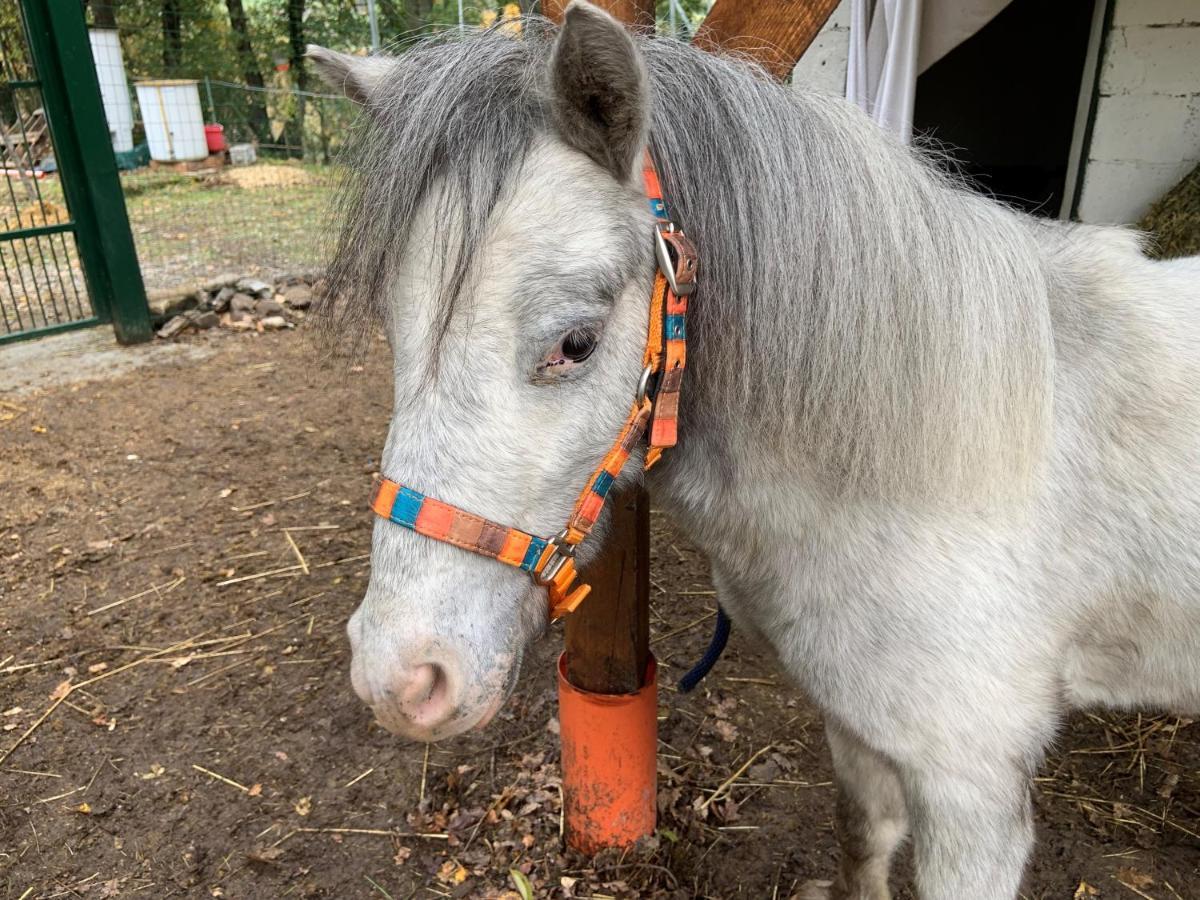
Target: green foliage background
209, 47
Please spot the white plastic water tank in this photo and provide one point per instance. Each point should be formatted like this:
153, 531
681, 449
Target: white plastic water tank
114, 89
172, 118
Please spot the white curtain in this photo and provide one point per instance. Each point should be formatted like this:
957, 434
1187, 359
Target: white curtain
893, 41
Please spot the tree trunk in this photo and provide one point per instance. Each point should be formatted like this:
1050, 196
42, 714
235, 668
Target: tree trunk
294, 130
257, 117
172, 35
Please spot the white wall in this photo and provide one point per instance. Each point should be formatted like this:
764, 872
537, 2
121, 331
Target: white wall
823, 65
1146, 134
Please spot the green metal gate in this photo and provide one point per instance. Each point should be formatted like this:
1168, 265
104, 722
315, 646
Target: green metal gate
67, 257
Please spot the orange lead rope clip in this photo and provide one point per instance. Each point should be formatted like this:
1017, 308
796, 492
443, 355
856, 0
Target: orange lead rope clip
551, 562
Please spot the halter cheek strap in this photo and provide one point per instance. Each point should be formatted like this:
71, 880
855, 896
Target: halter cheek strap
551, 561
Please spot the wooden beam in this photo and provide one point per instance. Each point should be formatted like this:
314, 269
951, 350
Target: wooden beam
638, 13
608, 637
775, 33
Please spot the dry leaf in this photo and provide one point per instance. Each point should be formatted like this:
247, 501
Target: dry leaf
303, 806
83, 808
1084, 891
727, 730
452, 872
267, 855
255, 790
64, 688
1134, 879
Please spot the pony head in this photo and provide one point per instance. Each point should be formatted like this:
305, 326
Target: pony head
497, 224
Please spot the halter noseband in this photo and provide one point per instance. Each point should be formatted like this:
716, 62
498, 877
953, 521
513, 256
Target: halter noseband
551, 562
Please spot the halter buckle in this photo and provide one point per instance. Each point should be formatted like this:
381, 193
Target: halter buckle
680, 270
556, 572
556, 555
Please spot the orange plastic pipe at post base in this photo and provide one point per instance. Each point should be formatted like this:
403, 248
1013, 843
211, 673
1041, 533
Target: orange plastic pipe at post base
609, 762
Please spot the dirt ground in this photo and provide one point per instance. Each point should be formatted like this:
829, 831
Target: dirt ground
195, 733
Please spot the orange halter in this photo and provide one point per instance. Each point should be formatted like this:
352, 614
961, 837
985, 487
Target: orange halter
551, 562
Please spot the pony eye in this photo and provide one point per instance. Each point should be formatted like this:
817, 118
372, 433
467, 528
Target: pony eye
572, 349
578, 344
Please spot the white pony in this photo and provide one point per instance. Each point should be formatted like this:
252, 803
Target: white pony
944, 457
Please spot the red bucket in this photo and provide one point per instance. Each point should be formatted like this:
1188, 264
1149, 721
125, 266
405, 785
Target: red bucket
215, 137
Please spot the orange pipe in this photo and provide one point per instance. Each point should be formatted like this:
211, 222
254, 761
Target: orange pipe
609, 750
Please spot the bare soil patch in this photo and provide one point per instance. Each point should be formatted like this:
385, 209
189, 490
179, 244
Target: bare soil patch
153, 527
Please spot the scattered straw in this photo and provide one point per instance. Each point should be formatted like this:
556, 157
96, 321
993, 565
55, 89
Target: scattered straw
682, 629
377, 832
296, 550
1124, 884
375, 884
256, 576
358, 778
228, 781
64, 794
266, 503
216, 672
158, 589
424, 770
728, 782
74, 687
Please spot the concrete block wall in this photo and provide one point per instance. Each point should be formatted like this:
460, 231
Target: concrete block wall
1146, 132
823, 65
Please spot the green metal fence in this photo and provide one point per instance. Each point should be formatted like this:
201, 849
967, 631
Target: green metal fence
66, 252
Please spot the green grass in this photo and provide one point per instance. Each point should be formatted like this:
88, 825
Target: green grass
187, 227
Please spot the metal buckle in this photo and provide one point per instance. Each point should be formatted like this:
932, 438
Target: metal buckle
643, 385
666, 265
562, 552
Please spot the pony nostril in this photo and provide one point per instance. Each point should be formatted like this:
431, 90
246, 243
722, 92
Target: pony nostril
426, 697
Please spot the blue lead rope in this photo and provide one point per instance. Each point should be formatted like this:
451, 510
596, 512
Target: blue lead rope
715, 648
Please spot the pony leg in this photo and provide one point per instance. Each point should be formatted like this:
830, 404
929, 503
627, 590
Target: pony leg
872, 819
973, 830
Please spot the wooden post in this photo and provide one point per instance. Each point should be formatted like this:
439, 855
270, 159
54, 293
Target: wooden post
637, 13
608, 637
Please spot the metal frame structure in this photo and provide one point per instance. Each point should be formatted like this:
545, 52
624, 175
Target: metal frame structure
57, 40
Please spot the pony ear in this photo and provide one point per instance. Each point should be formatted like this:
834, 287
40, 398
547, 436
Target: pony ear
354, 76
599, 93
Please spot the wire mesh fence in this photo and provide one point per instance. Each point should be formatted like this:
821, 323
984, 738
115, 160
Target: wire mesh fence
41, 281
225, 177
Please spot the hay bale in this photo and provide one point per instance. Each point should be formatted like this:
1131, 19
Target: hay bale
1174, 220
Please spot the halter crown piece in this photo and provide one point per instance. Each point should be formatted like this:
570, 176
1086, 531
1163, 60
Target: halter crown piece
551, 561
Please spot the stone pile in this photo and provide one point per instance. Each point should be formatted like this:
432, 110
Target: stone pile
237, 302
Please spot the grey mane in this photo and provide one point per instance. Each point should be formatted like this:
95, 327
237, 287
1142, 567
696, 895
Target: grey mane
855, 303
